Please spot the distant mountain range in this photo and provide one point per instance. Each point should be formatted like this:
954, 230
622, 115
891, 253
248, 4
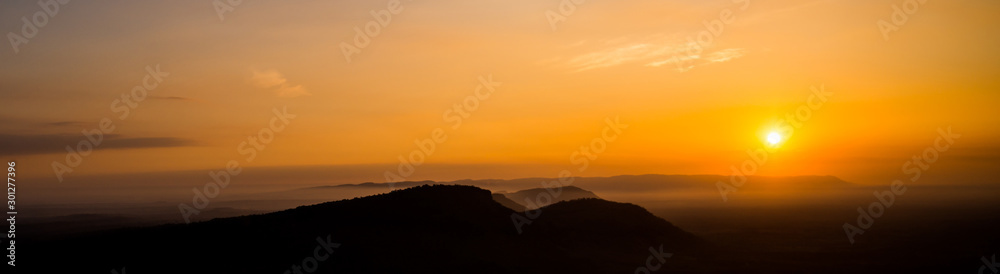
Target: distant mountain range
422, 229
528, 198
648, 182
646, 190
617, 186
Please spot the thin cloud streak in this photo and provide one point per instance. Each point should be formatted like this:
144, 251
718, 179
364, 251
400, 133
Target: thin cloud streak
171, 98
276, 81
55, 143
653, 50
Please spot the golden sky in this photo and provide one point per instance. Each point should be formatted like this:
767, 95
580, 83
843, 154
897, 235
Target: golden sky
607, 59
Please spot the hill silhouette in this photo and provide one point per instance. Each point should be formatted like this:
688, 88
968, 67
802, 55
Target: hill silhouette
424, 229
528, 198
625, 188
507, 202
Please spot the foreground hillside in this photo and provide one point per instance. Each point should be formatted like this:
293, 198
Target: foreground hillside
425, 229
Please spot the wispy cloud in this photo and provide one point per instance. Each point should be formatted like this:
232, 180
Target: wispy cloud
170, 98
65, 123
11, 144
687, 62
725, 55
276, 81
653, 50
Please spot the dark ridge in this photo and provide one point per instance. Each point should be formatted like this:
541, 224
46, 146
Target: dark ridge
424, 229
529, 198
507, 202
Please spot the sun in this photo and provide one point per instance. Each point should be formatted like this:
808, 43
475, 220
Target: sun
773, 138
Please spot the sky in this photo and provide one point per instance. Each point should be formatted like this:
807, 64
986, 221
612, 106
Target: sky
554, 71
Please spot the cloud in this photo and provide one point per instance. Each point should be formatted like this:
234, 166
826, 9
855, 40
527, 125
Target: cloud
65, 123
11, 144
623, 50
688, 62
170, 98
268, 78
652, 50
725, 55
276, 81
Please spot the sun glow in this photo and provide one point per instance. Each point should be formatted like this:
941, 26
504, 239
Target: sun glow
773, 138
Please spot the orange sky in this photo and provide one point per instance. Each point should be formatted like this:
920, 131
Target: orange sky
607, 59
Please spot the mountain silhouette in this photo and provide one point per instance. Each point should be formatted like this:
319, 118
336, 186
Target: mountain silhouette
424, 229
528, 198
624, 188
502, 199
